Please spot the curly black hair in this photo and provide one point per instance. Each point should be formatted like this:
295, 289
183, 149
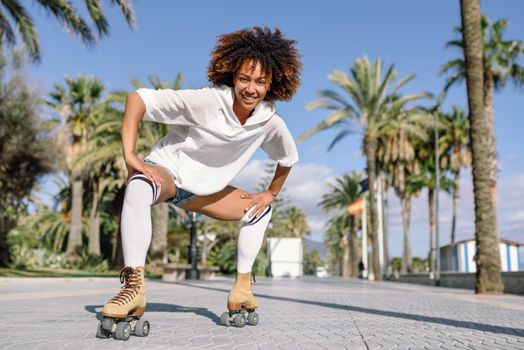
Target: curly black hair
277, 55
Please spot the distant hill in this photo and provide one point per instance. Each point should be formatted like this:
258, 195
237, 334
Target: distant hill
310, 245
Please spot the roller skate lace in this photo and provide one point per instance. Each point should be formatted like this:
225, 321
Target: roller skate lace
131, 278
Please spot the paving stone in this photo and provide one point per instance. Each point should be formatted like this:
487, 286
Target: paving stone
306, 313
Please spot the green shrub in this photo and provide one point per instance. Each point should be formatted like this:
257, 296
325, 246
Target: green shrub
90, 262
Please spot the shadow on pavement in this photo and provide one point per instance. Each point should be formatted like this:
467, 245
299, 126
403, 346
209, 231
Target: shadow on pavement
440, 320
161, 307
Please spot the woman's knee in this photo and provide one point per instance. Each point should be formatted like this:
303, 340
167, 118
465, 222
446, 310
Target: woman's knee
251, 220
167, 189
140, 188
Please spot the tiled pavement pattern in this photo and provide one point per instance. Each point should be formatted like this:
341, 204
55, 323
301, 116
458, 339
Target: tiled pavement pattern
306, 313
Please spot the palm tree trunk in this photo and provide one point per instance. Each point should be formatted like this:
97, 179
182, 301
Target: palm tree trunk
488, 255
454, 217
488, 110
94, 223
117, 256
353, 247
370, 145
405, 264
337, 264
346, 266
5, 227
94, 233
385, 223
160, 216
432, 230
74, 241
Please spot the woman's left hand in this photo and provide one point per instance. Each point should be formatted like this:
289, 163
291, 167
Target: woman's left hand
259, 202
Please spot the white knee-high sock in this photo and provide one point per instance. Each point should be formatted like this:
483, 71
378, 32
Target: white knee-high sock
141, 193
250, 240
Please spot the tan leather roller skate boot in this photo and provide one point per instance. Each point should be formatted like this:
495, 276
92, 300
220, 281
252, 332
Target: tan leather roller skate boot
122, 314
241, 303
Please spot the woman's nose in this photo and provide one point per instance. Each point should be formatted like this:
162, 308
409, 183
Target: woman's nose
250, 87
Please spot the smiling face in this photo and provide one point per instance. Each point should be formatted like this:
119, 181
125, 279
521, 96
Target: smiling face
251, 85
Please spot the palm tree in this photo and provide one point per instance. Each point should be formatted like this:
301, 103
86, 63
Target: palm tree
295, 222
370, 98
52, 225
488, 255
457, 151
500, 60
65, 13
79, 105
336, 243
426, 178
106, 170
396, 152
345, 191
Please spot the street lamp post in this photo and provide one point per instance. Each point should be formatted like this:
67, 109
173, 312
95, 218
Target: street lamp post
192, 273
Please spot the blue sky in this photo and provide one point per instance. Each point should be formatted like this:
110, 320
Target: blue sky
176, 36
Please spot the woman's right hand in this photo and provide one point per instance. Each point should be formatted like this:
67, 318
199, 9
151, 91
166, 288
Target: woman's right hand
135, 164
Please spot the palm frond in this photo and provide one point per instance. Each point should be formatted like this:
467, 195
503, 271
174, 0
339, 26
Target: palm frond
333, 95
127, 9
96, 12
457, 64
401, 83
66, 14
455, 43
321, 104
341, 135
25, 27
6, 31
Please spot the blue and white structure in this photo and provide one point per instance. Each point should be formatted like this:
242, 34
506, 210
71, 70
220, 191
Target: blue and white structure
464, 251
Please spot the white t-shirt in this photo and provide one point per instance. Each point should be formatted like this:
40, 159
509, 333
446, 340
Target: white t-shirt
207, 146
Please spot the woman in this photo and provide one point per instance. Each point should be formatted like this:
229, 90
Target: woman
214, 133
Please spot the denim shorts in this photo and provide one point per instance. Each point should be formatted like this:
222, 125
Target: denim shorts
181, 195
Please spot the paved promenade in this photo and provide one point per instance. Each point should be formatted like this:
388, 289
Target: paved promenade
308, 313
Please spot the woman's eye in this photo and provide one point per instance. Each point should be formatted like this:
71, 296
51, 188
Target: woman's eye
261, 82
243, 79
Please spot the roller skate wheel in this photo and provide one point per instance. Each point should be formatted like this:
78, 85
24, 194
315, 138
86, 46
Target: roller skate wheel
123, 331
252, 319
107, 324
224, 319
101, 332
239, 320
142, 328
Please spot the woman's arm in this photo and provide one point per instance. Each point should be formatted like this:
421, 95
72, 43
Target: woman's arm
262, 199
133, 114
276, 184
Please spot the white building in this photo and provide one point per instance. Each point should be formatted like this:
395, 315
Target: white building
462, 259
286, 257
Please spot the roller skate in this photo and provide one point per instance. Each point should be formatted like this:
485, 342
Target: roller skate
122, 314
241, 303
